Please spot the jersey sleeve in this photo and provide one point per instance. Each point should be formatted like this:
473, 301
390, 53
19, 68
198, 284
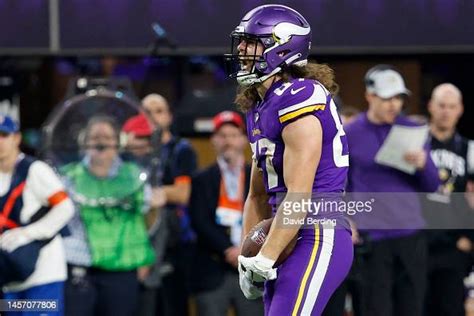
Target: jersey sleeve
303, 97
45, 184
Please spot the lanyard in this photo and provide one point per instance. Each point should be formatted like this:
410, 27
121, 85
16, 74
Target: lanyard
225, 201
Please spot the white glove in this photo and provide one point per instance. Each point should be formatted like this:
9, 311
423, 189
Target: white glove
251, 291
258, 268
14, 238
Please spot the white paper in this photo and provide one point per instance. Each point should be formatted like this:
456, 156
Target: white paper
399, 141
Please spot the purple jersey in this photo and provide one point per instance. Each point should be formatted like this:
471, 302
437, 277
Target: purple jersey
284, 103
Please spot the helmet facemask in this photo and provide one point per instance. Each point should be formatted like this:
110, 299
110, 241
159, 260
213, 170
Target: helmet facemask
251, 68
247, 66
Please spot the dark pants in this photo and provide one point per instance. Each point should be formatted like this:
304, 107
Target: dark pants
445, 292
335, 306
216, 302
173, 295
99, 292
395, 276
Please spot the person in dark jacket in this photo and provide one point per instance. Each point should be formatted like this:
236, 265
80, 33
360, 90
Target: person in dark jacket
217, 198
446, 211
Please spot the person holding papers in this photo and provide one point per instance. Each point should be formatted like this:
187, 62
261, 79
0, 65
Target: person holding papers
394, 276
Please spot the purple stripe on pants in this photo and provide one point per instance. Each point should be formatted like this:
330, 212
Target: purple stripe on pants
311, 274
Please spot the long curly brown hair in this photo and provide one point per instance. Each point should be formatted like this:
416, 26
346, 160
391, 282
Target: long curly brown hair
248, 96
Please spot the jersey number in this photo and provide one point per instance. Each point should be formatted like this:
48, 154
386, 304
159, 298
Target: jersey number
340, 160
266, 147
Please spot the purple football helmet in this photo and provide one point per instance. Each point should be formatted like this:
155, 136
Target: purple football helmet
285, 35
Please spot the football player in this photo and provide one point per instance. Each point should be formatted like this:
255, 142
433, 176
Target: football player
299, 150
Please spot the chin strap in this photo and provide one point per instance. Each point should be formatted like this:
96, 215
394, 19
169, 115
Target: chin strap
246, 79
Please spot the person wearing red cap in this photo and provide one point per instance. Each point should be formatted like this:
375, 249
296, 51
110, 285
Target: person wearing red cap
216, 206
228, 117
138, 132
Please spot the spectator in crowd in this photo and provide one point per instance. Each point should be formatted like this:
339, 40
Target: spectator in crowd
178, 161
216, 207
348, 114
395, 269
33, 209
449, 249
108, 241
138, 134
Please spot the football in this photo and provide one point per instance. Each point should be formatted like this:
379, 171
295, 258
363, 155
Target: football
255, 239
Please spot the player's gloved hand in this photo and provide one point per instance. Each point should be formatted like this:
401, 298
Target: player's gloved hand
15, 238
251, 291
258, 268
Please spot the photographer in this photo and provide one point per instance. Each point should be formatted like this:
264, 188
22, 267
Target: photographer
109, 240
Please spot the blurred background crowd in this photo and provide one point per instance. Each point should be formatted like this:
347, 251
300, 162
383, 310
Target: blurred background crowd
120, 146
